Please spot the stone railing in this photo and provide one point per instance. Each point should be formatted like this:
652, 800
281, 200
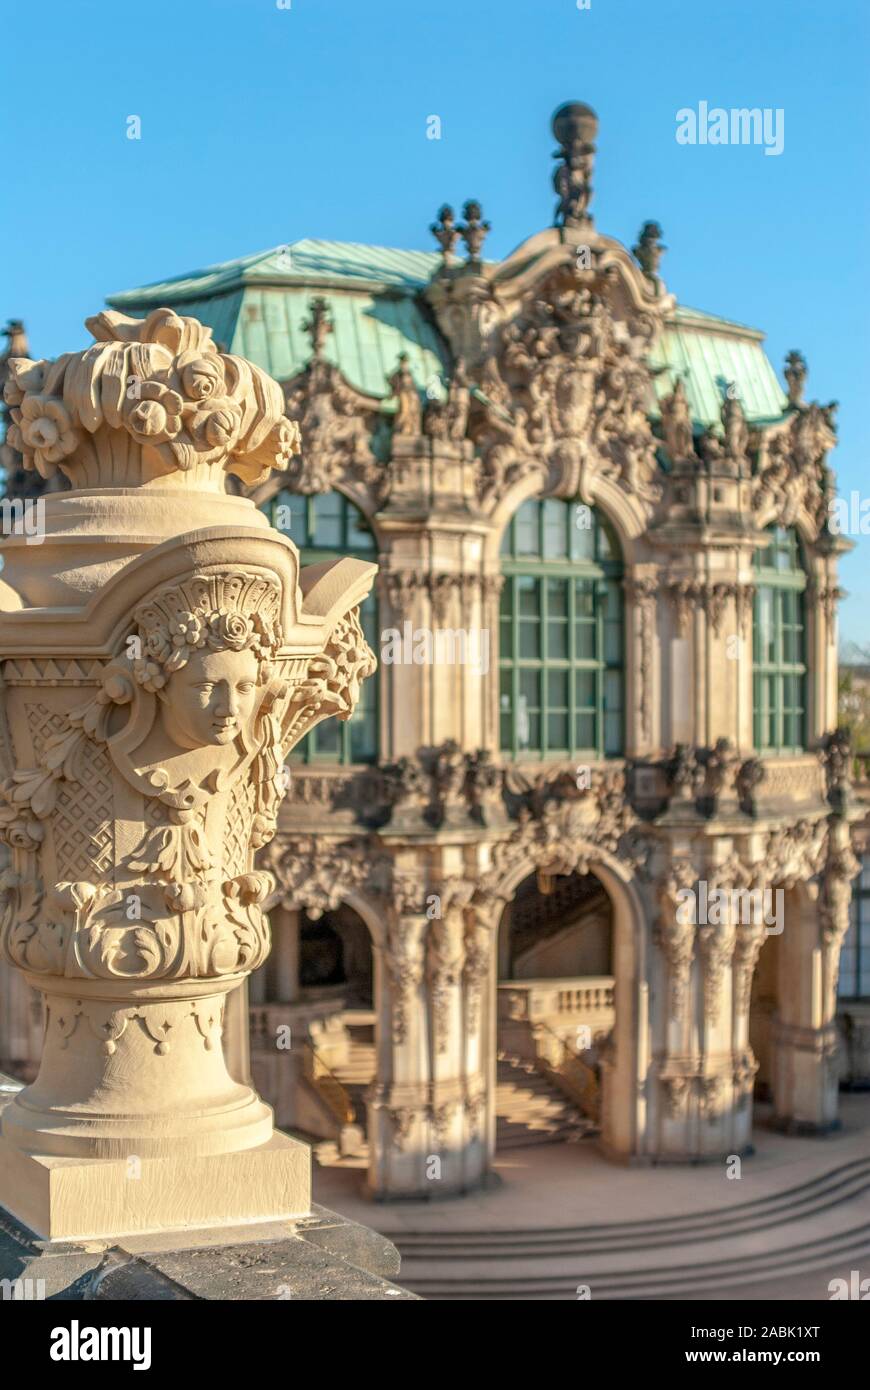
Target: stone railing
585, 999
318, 1022
557, 1059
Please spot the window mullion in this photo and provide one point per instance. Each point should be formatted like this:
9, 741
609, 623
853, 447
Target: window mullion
598, 610
543, 653
515, 662
572, 664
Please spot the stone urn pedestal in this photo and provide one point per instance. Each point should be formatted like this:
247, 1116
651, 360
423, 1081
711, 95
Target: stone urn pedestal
153, 680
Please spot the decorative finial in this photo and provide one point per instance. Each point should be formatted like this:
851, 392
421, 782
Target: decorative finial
795, 375
649, 249
319, 325
18, 345
575, 126
473, 230
444, 230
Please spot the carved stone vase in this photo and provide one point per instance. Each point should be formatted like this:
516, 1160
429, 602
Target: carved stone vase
161, 653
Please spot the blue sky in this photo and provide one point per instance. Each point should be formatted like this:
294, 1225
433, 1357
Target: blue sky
261, 125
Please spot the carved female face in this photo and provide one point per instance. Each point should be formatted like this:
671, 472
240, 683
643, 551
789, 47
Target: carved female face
211, 699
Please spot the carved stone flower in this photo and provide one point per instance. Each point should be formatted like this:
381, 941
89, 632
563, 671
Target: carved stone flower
188, 631
157, 644
231, 630
154, 417
269, 632
149, 674
286, 438
221, 426
202, 378
47, 431
24, 376
283, 441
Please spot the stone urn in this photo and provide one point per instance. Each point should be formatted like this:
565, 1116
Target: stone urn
160, 652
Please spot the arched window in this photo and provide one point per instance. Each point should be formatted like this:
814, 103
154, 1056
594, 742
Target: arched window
562, 691
326, 527
779, 670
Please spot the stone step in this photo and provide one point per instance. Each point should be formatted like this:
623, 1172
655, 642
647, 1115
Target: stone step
851, 1247
807, 1228
829, 1189
529, 1109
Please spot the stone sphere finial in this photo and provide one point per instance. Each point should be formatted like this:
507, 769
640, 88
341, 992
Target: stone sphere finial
575, 126
574, 121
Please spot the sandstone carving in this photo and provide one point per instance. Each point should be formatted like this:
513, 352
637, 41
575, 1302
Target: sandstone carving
139, 786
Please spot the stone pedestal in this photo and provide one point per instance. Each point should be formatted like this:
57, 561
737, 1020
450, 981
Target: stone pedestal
154, 682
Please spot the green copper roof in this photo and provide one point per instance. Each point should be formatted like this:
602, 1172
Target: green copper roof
299, 262
256, 307
709, 353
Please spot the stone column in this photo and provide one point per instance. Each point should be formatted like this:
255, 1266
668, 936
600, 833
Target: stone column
285, 948
154, 682
805, 1041
399, 1102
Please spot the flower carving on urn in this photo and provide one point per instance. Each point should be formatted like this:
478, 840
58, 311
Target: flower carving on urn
182, 404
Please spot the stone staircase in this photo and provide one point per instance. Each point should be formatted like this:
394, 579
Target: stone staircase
530, 1110
809, 1227
357, 1073
355, 1076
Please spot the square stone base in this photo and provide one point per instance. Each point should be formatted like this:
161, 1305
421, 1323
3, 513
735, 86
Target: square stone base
75, 1199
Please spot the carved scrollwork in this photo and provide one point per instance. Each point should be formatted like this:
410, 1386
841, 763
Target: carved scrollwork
202, 688
675, 932
792, 473
336, 423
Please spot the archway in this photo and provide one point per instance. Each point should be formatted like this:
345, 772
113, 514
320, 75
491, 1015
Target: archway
763, 1006
335, 958
555, 1008
791, 1018
313, 1024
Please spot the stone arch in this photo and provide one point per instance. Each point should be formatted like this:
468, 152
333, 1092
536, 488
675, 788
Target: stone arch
623, 513
356, 493
801, 1037
624, 1067
332, 1036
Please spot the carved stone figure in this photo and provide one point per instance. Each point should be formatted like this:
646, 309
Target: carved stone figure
795, 375
677, 423
575, 126
649, 249
458, 401
335, 421
408, 408
154, 684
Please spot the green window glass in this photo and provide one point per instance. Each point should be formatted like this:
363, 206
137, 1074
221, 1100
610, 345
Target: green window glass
326, 527
562, 679
854, 980
779, 671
